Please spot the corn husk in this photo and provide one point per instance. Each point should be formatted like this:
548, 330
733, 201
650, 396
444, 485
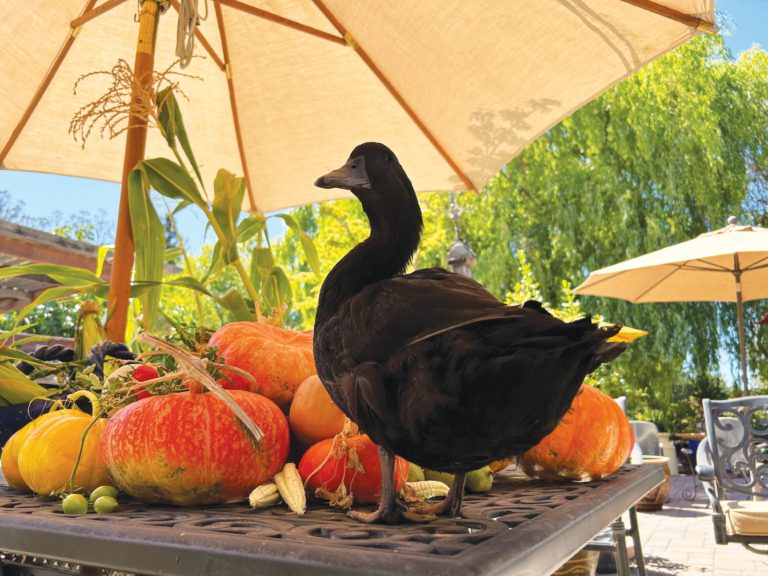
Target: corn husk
89, 331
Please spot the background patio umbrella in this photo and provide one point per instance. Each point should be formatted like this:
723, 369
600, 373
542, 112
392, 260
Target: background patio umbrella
456, 88
727, 265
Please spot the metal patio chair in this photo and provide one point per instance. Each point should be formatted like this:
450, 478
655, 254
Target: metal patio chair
733, 467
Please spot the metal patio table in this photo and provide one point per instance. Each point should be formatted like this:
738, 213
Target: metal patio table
522, 527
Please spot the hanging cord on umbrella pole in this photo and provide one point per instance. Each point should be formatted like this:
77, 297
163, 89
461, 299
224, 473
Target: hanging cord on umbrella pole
189, 19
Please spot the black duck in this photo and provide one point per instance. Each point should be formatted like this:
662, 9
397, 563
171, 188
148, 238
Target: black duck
430, 364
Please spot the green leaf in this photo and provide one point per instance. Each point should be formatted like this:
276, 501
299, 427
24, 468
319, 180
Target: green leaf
140, 288
310, 252
149, 236
171, 180
191, 283
263, 258
45, 296
250, 226
306, 242
180, 206
289, 221
15, 354
65, 275
166, 102
216, 262
255, 273
6, 335
17, 388
236, 304
172, 124
101, 256
276, 288
33, 339
171, 254
228, 192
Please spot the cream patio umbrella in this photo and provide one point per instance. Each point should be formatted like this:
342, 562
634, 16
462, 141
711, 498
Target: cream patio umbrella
727, 265
456, 88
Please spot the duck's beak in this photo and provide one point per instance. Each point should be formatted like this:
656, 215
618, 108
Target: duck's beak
350, 176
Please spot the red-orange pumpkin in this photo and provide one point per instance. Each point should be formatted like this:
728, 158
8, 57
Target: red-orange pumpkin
314, 416
593, 440
189, 448
279, 359
323, 467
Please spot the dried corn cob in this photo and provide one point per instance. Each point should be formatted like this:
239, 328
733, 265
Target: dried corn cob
425, 489
291, 488
264, 496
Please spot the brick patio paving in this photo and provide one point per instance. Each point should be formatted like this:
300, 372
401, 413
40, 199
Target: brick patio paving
679, 540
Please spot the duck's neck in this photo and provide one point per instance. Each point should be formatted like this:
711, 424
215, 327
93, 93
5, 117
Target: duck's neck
384, 254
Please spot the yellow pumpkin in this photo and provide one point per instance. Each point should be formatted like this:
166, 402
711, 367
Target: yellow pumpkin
9, 459
49, 454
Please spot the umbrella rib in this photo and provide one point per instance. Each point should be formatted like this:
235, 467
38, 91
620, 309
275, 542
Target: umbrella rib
253, 11
655, 284
395, 94
233, 104
715, 267
667, 12
98, 11
38, 95
762, 263
204, 41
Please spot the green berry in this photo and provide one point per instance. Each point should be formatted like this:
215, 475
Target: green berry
103, 491
415, 472
480, 480
105, 505
74, 504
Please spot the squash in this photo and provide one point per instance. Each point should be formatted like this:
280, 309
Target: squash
9, 459
349, 460
279, 359
591, 441
50, 453
189, 448
314, 416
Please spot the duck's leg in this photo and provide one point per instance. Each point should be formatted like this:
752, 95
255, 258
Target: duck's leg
452, 502
388, 512
451, 506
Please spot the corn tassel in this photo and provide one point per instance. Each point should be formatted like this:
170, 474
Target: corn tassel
425, 489
264, 496
291, 488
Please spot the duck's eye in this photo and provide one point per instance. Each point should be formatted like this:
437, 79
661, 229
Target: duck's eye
387, 156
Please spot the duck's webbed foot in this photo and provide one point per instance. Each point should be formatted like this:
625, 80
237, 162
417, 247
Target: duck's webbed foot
450, 506
382, 515
390, 510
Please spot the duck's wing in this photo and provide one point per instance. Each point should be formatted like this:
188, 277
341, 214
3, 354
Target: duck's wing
394, 313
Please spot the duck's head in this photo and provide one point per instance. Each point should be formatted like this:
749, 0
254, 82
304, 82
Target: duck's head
374, 175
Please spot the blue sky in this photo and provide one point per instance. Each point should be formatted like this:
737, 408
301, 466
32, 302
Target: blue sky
43, 193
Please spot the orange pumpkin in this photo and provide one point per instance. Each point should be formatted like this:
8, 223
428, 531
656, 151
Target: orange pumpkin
593, 440
189, 448
279, 359
314, 416
332, 461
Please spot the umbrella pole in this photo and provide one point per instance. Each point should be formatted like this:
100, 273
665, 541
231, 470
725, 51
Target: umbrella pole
740, 315
135, 145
